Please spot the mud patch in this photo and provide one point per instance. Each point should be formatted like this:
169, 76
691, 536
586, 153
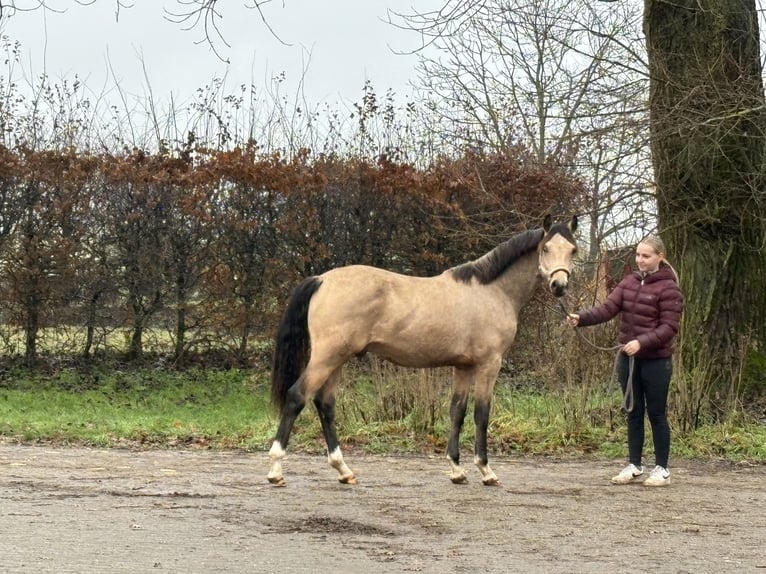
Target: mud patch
331, 525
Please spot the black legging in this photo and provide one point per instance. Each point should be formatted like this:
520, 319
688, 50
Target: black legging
651, 380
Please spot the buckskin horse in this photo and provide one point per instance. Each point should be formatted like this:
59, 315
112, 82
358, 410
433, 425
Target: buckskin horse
466, 318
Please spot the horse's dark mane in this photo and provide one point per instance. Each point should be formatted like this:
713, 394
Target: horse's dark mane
491, 265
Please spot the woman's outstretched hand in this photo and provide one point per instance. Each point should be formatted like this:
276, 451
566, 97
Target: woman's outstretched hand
573, 319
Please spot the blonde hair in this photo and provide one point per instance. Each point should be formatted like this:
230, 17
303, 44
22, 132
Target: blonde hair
658, 245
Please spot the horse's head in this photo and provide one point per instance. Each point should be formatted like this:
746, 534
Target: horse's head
556, 251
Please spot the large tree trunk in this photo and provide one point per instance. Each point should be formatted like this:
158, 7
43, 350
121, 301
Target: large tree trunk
708, 141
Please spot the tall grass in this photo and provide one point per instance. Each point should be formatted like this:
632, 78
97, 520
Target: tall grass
225, 409
378, 391
381, 409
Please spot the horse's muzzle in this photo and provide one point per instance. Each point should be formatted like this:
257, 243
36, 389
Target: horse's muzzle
558, 282
558, 288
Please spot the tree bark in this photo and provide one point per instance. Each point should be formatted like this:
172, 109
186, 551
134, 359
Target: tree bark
707, 115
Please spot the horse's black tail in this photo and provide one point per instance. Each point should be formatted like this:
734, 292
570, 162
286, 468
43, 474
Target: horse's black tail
292, 341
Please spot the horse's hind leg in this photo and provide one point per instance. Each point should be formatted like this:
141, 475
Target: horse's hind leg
458, 407
325, 405
306, 387
294, 404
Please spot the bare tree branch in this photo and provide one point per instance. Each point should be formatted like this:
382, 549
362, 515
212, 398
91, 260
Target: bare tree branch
190, 14
564, 79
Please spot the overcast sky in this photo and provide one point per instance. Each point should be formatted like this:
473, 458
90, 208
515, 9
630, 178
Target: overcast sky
339, 44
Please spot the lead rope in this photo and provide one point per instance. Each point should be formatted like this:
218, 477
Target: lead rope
628, 401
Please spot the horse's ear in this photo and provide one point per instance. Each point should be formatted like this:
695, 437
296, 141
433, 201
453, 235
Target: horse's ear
573, 223
547, 222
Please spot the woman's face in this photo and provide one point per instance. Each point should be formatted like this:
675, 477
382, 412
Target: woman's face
647, 259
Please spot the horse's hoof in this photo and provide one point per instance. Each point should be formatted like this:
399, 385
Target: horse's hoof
493, 481
459, 479
347, 479
277, 481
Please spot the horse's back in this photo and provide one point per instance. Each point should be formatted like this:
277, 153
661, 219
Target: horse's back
358, 304
412, 321
362, 294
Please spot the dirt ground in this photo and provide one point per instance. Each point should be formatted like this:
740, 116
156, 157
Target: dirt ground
106, 511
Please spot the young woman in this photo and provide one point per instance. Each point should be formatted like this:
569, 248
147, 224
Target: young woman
651, 303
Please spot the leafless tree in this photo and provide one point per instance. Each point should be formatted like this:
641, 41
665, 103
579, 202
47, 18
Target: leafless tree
565, 79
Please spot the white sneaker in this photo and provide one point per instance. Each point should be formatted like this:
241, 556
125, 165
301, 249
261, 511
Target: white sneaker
628, 474
660, 476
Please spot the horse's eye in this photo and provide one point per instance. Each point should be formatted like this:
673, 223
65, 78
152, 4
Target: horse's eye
545, 249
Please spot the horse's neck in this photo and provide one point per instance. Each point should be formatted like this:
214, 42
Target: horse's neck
521, 280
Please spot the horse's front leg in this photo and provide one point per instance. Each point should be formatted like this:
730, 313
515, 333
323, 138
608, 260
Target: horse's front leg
485, 386
458, 407
481, 418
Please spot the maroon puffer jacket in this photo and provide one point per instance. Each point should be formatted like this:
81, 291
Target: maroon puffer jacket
651, 310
